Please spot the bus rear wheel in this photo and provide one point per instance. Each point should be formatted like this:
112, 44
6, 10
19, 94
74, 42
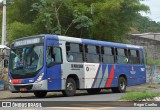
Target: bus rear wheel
122, 83
93, 91
70, 88
40, 94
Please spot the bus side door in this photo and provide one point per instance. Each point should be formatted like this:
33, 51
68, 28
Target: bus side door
54, 61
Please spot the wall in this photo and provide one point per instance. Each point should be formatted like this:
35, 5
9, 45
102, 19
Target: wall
150, 43
153, 74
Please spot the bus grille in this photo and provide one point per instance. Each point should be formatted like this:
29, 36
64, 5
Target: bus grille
18, 87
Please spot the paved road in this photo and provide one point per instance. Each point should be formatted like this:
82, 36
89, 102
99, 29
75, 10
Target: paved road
80, 96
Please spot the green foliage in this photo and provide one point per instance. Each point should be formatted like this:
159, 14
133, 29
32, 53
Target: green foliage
20, 10
114, 18
144, 24
18, 30
152, 62
99, 19
137, 96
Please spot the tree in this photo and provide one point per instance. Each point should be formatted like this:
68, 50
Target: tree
20, 11
18, 30
145, 24
99, 19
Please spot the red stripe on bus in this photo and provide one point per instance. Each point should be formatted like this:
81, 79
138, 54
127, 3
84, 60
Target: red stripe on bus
110, 78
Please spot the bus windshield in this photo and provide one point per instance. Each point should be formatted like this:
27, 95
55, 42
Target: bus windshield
26, 60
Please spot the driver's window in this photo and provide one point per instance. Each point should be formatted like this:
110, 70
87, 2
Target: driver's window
53, 55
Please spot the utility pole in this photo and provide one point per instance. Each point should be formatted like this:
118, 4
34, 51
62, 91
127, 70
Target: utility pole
4, 24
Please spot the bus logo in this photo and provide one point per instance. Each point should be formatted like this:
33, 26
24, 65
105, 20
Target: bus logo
87, 68
132, 70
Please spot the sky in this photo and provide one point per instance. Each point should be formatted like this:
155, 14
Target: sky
154, 9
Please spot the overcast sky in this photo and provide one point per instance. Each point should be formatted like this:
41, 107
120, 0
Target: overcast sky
154, 8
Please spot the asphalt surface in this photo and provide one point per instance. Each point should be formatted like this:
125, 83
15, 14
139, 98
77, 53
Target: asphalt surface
81, 95
57, 96
105, 95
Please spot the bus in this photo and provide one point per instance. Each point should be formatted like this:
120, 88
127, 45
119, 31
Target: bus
46, 63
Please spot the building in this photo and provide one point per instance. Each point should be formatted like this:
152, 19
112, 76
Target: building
151, 43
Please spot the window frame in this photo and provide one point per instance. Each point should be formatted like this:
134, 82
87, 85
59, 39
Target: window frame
103, 53
54, 63
122, 56
138, 58
82, 53
98, 52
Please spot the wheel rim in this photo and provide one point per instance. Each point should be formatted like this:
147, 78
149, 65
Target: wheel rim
122, 85
70, 87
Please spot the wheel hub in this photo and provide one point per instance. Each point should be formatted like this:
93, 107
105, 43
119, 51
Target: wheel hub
69, 87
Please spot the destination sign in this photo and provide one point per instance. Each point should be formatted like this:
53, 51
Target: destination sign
27, 42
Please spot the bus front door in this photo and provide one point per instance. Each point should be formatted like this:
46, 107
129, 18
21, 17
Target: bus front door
54, 61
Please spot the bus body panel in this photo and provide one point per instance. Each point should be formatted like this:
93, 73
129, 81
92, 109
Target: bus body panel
29, 84
90, 75
54, 72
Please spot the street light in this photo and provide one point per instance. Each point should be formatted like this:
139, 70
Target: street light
4, 24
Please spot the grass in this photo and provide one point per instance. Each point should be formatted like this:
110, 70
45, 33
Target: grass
138, 96
152, 87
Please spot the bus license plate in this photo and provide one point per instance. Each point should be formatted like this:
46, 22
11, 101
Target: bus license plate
23, 89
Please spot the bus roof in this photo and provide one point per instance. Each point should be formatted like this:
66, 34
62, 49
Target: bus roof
93, 42
84, 41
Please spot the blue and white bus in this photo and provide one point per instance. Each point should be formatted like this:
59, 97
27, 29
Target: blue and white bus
46, 63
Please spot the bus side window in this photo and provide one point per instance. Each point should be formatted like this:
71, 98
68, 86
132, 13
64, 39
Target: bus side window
141, 57
53, 55
122, 56
74, 52
138, 57
50, 58
107, 55
134, 57
92, 53
57, 54
67, 46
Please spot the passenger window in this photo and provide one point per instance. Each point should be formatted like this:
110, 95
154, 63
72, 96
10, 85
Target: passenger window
74, 52
53, 55
134, 56
92, 53
107, 55
121, 56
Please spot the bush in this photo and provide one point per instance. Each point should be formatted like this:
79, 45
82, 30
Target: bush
137, 96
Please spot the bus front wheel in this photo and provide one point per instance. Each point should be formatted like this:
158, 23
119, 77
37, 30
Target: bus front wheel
40, 94
70, 88
122, 83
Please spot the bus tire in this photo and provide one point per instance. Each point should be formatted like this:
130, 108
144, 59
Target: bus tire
70, 88
122, 83
93, 91
40, 94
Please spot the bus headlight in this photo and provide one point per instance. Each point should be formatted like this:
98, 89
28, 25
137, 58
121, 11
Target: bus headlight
40, 77
10, 81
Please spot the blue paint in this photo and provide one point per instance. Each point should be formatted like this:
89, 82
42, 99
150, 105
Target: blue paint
54, 72
96, 76
104, 66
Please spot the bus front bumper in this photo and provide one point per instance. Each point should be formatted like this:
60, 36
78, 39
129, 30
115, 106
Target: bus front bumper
31, 87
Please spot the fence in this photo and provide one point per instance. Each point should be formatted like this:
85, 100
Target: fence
153, 74
3, 79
